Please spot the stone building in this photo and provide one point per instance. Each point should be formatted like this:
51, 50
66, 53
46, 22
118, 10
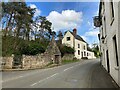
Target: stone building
108, 22
52, 52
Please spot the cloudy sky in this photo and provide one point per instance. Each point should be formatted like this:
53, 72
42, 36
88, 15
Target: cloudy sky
69, 15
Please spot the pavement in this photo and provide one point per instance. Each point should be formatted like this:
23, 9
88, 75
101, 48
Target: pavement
83, 74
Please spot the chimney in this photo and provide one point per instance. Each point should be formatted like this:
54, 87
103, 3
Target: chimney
75, 31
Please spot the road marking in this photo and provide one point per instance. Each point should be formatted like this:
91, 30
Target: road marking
68, 68
44, 79
21, 76
12, 79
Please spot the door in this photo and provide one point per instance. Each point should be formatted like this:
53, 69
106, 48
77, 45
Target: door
108, 65
81, 54
56, 59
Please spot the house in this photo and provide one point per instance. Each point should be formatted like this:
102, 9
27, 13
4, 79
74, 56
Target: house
75, 41
108, 22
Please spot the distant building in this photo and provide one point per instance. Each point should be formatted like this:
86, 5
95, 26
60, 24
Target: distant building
109, 24
75, 41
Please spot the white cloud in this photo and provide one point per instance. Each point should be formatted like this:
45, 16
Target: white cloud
91, 36
92, 33
67, 19
91, 25
37, 12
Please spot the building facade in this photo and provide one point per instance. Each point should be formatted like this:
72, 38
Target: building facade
109, 25
75, 41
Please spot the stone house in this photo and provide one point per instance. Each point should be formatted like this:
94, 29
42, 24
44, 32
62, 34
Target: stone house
75, 41
108, 22
52, 52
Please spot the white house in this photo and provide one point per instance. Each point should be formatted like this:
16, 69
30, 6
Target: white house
109, 23
75, 41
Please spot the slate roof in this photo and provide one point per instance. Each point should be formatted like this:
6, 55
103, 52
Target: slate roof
77, 37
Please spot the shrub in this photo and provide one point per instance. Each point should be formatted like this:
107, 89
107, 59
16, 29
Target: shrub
66, 50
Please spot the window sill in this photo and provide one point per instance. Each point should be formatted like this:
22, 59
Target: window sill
116, 68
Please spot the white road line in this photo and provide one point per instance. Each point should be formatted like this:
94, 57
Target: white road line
21, 76
12, 79
68, 68
44, 79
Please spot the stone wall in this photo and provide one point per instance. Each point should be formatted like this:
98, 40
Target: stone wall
36, 61
68, 57
7, 62
28, 62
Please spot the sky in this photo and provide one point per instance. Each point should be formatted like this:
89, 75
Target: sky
69, 15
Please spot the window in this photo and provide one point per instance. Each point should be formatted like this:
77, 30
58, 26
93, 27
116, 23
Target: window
84, 47
87, 54
103, 3
68, 38
78, 52
115, 49
104, 26
111, 10
78, 45
84, 53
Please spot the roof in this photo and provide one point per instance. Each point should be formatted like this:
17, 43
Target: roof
77, 37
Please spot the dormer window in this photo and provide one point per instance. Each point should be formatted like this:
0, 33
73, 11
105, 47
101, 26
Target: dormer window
68, 38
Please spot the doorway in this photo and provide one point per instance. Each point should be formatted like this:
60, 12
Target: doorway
82, 54
108, 65
56, 59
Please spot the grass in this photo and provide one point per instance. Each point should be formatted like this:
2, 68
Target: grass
69, 61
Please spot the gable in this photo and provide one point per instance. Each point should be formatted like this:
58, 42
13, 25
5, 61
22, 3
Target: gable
76, 37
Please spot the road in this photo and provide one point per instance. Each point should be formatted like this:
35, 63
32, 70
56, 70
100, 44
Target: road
83, 74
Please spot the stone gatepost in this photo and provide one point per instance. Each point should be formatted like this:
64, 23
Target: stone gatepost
8, 62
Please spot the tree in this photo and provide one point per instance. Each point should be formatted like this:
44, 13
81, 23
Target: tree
60, 37
42, 25
96, 51
17, 16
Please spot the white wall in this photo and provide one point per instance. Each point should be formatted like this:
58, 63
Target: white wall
82, 44
111, 30
64, 40
119, 41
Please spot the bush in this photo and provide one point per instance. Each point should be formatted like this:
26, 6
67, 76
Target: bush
23, 46
33, 48
66, 50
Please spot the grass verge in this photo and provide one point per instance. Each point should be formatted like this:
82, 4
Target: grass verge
69, 61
